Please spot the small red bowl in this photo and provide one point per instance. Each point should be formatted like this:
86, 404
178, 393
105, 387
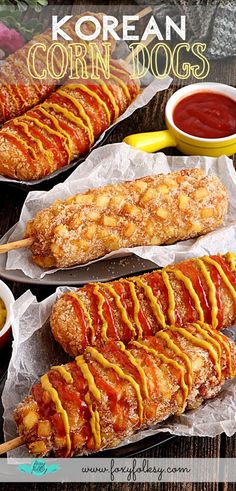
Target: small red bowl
7, 296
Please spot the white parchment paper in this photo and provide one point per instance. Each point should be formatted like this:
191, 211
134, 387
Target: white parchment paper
34, 351
119, 162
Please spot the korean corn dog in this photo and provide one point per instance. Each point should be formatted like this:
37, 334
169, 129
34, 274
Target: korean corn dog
106, 395
152, 210
65, 125
202, 289
19, 91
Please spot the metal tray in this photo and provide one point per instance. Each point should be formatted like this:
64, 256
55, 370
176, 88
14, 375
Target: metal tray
104, 270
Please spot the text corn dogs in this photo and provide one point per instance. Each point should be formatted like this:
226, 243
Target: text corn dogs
64, 126
149, 211
18, 90
104, 396
201, 289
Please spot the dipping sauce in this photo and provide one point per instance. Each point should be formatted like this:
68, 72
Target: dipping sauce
3, 313
206, 114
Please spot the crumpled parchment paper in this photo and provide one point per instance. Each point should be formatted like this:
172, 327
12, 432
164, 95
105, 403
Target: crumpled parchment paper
34, 351
119, 162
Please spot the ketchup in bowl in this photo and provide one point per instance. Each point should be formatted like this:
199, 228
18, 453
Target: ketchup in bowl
206, 115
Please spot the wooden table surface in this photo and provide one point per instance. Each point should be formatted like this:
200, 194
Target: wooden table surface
11, 200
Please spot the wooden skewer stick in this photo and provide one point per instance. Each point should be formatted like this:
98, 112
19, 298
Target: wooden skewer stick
11, 444
19, 244
141, 14
139, 48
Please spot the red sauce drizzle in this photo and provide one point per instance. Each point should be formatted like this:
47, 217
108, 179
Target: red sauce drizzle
155, 281
226, 268
122, 289
146, 327
47, 144
192, 272
93, 109
59, 142
105, 98
188, 302
81, 319
108, 312
97, 324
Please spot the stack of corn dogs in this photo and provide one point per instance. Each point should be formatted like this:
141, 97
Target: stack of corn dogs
19, 91
133, 365
37, 137
145, 347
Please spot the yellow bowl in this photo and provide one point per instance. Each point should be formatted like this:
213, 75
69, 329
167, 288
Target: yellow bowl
174, 137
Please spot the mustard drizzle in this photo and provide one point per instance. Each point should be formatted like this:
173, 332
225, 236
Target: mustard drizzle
92, 389
120, 307
137, 366
153, 301
47, 153
107, 92
71, 117
47, 386
216, 334
173, 347
231, 258
203, 344
107, 364
136, 308
212, 292
24, 144
187, 282
101, 301
92, 94
27, 132
88, 376
222, 274
65, 374
209, 338
94, 422
169, 361
82, 112
57, 125
98, 99
47, 128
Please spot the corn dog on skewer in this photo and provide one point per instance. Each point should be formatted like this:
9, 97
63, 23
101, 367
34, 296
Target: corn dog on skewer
18, 90
148, 211
64, 126
106, 395
202, 289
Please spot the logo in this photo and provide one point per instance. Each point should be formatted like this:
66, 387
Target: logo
38, 468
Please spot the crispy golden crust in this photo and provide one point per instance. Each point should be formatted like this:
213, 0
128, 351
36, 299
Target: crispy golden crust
18, 90
77, 321
153, 210
65, 125
130, 390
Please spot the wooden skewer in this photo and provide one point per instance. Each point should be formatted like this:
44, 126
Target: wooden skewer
139, 48
11, 444
19, 244
141, 14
